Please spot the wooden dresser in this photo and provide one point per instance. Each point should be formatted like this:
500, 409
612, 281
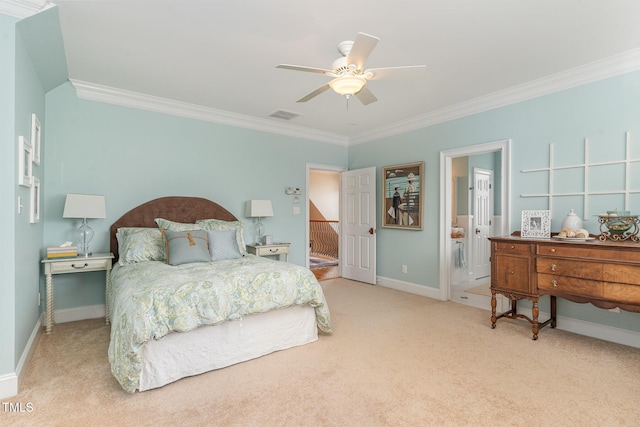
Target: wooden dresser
605, 274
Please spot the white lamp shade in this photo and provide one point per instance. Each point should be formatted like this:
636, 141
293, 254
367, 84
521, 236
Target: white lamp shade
347, 85
84, 206
258, 208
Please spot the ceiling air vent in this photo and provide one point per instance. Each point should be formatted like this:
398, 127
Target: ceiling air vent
284, 115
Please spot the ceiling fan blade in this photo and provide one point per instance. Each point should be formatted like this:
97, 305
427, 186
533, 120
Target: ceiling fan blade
314, 93
409, 72
366, 96
362, 47
302, 68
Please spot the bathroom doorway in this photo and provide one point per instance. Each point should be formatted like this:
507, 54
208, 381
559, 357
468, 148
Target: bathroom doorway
467, 219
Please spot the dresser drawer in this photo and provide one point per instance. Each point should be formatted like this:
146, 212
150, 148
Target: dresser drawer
589, 251
628, 294
513, 247
558, 285
271, 250
77, 265
622, 273
570, 268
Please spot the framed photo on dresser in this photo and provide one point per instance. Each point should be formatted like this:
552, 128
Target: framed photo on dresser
536, 224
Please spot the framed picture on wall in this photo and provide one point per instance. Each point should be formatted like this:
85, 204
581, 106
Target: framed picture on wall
35, 138
24, 159
34, 215
536, 224
402, 196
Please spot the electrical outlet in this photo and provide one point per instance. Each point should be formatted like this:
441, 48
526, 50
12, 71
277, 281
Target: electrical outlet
404, 268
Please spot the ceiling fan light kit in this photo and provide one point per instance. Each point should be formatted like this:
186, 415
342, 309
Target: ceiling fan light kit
350, 77
347, 85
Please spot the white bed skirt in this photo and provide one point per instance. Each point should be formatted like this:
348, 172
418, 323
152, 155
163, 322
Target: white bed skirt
180, 355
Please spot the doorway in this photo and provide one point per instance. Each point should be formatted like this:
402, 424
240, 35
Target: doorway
323, 221
460, 250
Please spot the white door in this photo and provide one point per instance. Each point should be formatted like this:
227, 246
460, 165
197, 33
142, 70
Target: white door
358, 225
482, 217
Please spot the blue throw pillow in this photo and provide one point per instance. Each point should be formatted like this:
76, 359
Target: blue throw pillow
223, 245
183, 247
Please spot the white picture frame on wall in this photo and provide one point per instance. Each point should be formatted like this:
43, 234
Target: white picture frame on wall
36, 131
34, 215
536, 224
25, 161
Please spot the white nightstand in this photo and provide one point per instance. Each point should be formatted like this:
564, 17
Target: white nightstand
81, 264
274, 249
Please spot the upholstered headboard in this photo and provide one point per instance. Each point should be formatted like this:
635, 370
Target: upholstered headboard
179, 209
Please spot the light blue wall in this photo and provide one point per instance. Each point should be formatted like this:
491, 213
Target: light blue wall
602, 111
8, 182
132, 156
21, 95
29, 99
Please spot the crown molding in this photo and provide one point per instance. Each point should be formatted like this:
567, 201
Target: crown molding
599, 70
111, 95
23, 8
623, 63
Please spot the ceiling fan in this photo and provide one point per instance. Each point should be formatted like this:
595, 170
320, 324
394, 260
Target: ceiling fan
348, 72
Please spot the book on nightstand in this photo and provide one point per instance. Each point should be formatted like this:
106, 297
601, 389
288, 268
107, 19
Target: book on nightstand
55, 252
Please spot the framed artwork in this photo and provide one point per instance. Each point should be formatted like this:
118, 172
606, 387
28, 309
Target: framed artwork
35, 201
536, 224
35, 138
402, 196
24, 157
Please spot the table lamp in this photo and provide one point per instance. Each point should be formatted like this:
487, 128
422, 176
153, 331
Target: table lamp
258, 209
84, 206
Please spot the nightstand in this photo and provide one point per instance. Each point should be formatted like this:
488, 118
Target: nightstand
80, 264
274, 249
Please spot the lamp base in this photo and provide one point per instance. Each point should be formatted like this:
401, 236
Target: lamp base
85, 234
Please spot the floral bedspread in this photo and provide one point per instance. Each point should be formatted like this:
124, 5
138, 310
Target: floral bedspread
148, 300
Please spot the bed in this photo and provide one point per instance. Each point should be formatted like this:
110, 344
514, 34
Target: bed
173, 317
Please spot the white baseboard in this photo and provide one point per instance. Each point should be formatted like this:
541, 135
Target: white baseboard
79, 313
596, 330
581, 327
10, 383
409, 287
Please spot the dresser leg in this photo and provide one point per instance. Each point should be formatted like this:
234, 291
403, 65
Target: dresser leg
535, 312
553, 311
493, 309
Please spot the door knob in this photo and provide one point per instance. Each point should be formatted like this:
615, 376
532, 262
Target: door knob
477, 231
371, 230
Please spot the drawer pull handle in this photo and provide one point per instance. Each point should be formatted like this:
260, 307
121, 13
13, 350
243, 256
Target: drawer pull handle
513, 246
512, 272
273, 250
553, 251
554, 282
80, 267
553, 267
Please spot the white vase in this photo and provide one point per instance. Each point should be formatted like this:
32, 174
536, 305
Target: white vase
572, 221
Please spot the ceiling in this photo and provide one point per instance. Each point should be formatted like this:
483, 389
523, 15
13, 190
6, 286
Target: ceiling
221, 56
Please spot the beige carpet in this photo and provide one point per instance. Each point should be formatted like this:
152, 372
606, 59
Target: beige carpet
394, 359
